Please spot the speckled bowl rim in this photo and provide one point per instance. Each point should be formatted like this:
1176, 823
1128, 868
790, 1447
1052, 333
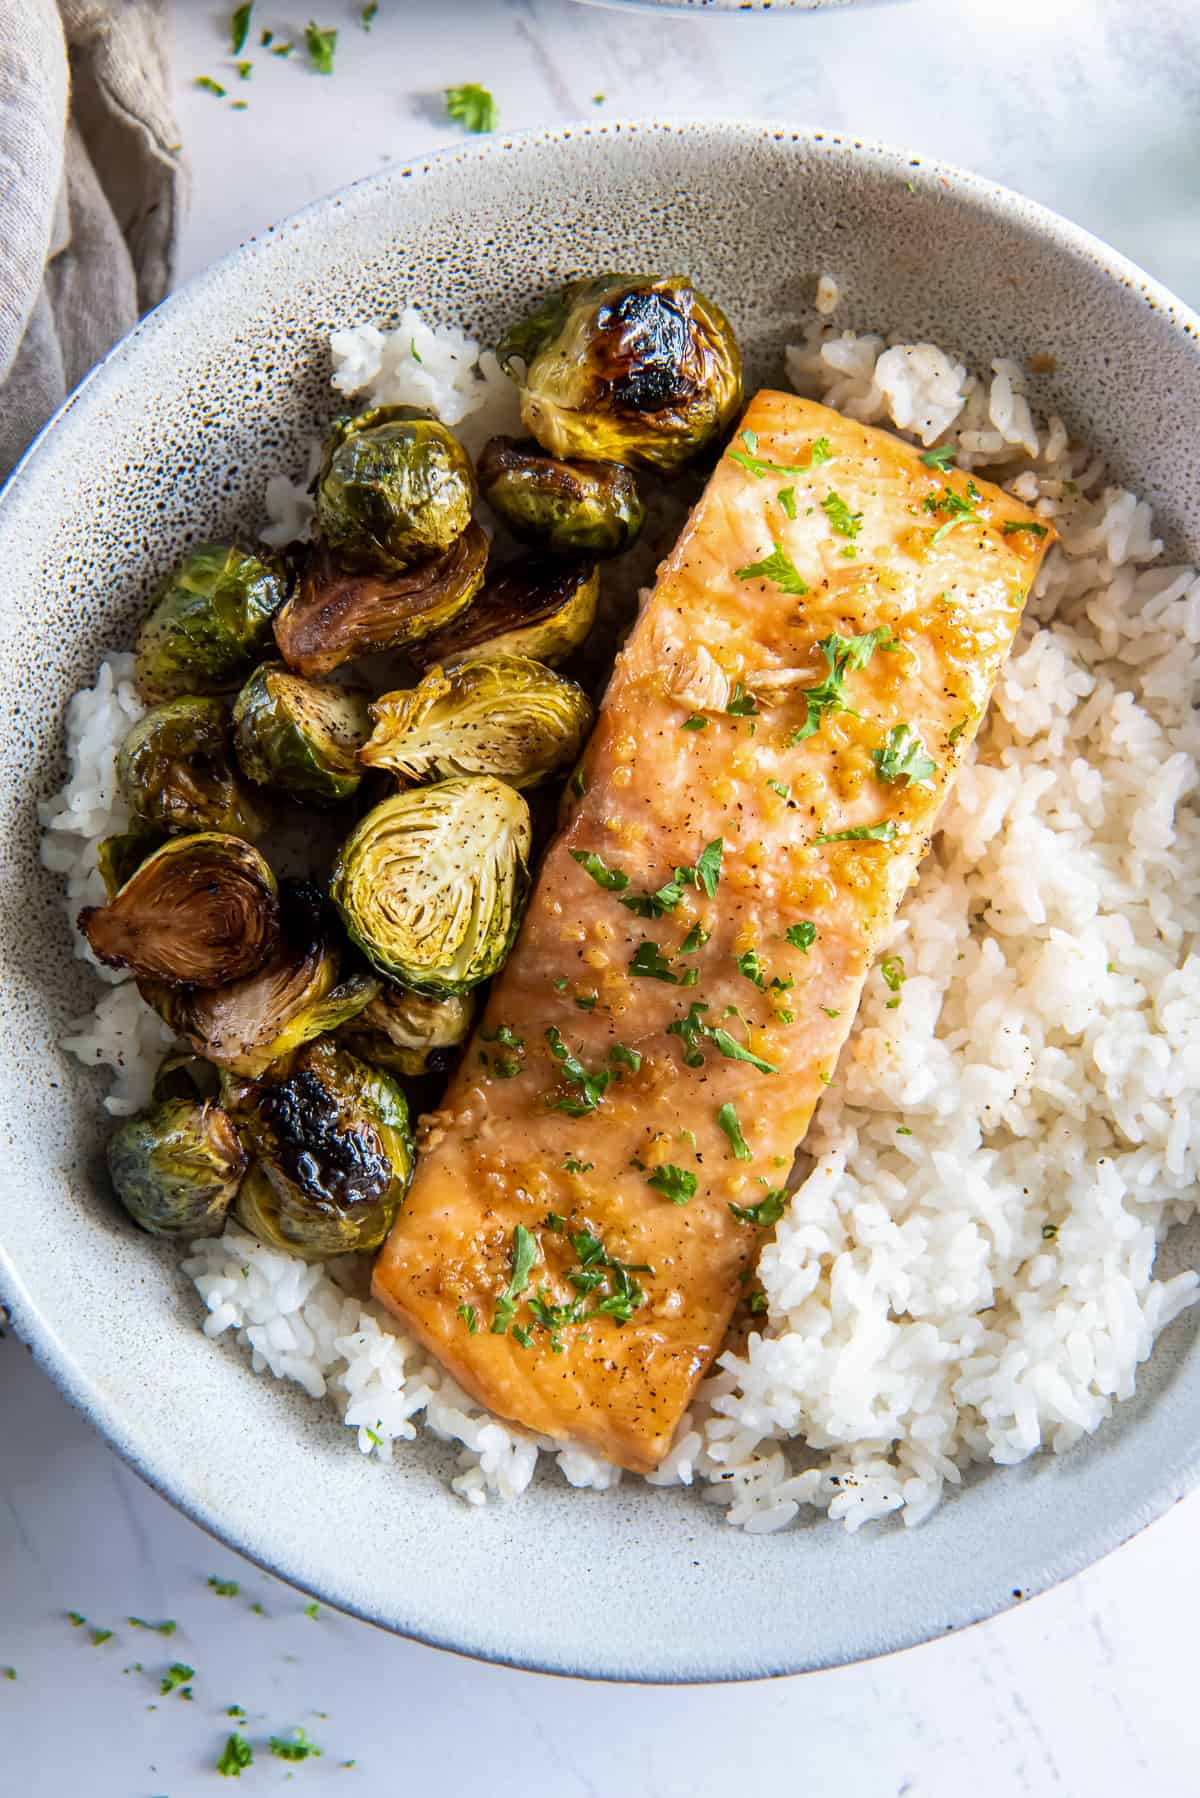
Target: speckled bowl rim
1164, 1487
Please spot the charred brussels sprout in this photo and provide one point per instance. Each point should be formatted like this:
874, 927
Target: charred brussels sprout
334, 1155
570, 508
411, 1033
538, 608
198, 912
628, 368
395, 487
210, 623
504, 715
249, 1024
293, 734
177, 1167
337, 616
432, 884
176, 772
120, 856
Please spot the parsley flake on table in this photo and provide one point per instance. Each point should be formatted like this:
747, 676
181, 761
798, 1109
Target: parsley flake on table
675, 1182
10, 1672
611, 879
841, 519
368, 13
727, 1123
472, 106
224, 1588
320, 44
177, 1674
297, 1747
76, 1619
236, 1756
239, 25
210, 86
843, 656
903, 757
312, 1610
862, 833
768, 1211
777, 568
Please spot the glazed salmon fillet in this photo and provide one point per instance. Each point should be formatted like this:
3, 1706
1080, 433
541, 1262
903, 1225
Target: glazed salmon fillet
778, 735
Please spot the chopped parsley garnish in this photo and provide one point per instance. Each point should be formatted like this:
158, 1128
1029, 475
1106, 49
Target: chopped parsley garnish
312, 1610
470, 1317
570, 1166
368, 13
749, 965
842, 520
578, 783
611, 879
708, 868
729, 1046
177, 1674
283, 49
210, 86
627, 1057
523, 1255
768, 1211
829, 1011
787, 501
320, 46
10, 1673
653, 905
676, 1182
76, 1619
960, 510
757, 1302
727, 1123
892, 970
236, 1710
224, 1588
239, 25
749, 459
236, 1756
508, 1066
903, 1130
741, 704
802, 935
472, 106
695, 722
166, 1628
695, 939
691, 1029
651, 964
862, 833
591, 1087
903, 757
778, 786
587, 1001
1035, 530
958, 730
778, 568
843, 656
1049, 1232
245, 70
100, 1637
941, 458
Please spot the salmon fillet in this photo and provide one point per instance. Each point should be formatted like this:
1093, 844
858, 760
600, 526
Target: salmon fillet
778, 735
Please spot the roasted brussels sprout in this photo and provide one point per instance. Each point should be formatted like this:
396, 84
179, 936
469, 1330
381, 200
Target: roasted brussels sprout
119, 856
177, 1167
200, 911
183, 1076
176, 772
570, 508
334, 1155
627, 368
293, 734
210, 623
432, 883
246, 1025
338, 615
411, 1033
395, 487
504, 715
537, 607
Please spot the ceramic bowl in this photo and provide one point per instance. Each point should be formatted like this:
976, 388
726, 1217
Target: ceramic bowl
170, 441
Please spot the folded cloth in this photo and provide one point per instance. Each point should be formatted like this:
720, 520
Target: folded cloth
91, 192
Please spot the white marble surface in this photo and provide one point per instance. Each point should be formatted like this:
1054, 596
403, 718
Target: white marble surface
1092, 106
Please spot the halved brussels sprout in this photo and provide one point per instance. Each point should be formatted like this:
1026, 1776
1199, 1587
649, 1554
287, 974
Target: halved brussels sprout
571, 508
293, 734
176, 772
200, 911
209, 624
334, 1155
177, 1167
119, 856
183, 1076
411, 1033
432, 883
338, 615
249, 1024
505, 716
628, 368
537, 607
395, 486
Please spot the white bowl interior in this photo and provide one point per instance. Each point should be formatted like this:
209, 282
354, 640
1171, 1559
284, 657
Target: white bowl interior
170, 442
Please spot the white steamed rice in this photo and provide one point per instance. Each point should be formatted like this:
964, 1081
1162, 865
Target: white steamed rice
967, 1274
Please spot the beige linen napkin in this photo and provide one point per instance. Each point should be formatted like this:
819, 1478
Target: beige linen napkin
91, 189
